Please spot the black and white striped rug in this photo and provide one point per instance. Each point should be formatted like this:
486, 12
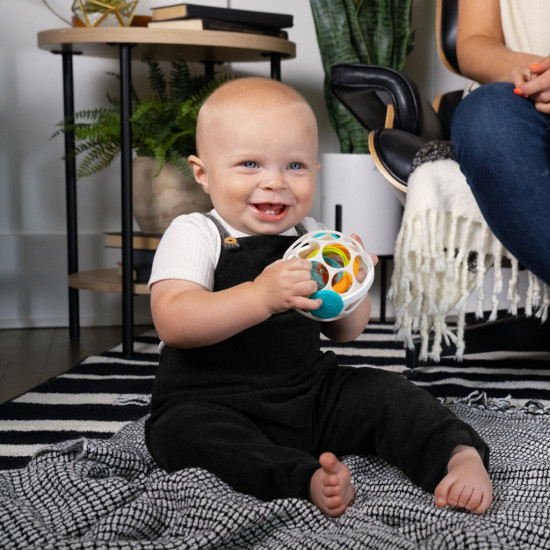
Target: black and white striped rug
103, 393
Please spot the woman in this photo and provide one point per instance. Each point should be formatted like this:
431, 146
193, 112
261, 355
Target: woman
501, 129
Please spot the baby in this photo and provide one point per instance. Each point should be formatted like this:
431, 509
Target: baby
243, 388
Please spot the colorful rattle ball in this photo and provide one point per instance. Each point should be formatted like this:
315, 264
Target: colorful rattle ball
335, 262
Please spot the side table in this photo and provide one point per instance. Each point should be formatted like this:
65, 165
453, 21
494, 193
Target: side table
208, 47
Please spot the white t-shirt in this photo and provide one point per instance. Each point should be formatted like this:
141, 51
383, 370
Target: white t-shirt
526, 25
191, 246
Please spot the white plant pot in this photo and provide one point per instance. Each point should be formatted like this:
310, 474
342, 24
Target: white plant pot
365, 199
158, 200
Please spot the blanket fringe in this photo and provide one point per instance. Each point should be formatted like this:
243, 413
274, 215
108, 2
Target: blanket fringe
443, 252
478, 399
133, 399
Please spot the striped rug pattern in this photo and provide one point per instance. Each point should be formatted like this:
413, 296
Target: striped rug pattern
103, 393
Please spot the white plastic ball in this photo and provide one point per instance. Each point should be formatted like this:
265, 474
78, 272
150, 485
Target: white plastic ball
336, 259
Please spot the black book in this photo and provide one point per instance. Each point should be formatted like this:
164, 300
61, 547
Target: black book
216, 25
197, 11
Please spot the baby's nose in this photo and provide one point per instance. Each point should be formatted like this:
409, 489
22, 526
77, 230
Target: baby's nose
273, 180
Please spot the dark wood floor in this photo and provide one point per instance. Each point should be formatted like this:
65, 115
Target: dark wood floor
31, 356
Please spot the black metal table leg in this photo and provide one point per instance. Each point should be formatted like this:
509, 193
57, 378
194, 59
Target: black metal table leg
126, 198
275, 66
70, 194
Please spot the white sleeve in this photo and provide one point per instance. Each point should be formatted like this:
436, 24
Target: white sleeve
189, 250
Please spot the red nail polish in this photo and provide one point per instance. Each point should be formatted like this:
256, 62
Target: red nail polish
517, 91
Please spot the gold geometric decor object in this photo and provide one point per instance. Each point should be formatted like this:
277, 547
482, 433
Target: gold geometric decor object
105, 13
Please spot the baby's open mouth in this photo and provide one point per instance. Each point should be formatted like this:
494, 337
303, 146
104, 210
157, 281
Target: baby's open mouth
270, 209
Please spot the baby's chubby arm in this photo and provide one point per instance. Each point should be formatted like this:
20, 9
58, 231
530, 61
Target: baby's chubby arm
188, 315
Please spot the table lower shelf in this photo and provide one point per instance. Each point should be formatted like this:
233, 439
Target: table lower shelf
102, 280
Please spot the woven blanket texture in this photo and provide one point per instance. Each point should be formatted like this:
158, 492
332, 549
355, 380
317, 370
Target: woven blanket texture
444, 250
108, 494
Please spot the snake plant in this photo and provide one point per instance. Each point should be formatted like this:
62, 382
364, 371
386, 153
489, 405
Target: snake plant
373, 32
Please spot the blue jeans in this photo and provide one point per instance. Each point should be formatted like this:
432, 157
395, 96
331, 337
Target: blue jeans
502, 144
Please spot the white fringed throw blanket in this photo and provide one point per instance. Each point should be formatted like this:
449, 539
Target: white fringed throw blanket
443, 252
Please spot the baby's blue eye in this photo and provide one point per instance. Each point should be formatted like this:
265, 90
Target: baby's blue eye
295, 166
250, 164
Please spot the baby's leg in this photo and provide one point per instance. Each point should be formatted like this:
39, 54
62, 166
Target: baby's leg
229, 445
467, 484
331, 489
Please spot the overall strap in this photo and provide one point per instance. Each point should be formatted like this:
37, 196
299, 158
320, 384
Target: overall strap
228, 242
231, 243
300, 229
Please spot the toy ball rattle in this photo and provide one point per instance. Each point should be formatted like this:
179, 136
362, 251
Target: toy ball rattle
335, 261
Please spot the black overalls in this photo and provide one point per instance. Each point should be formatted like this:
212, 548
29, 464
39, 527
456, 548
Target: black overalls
259, 408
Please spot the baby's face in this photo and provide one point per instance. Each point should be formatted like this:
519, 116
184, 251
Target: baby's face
260, 166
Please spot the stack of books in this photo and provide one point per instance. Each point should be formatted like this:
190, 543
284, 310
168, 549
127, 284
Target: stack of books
209, 18
144, 245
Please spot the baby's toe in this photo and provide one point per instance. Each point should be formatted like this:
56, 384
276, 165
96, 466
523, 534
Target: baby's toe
467, 499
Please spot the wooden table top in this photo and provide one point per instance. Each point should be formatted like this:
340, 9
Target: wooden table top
191, 45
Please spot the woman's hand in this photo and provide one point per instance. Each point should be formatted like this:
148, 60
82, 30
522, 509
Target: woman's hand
534, 84
481, 51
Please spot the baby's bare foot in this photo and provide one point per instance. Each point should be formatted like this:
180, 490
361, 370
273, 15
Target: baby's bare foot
331, 489
467, 484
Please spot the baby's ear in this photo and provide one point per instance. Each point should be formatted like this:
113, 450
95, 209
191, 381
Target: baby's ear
199, 171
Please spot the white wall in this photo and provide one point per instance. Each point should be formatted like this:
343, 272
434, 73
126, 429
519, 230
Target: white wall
33, 269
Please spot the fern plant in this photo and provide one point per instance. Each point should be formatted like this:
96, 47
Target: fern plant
163, 121
373, 32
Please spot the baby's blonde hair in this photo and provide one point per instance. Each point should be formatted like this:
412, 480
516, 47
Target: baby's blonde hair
252, 92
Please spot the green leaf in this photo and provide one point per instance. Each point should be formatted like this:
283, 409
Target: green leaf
360, 31
403, 32
163, 122
157, 80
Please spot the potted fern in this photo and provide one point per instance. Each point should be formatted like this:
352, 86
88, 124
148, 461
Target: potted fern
372, 32
163, 136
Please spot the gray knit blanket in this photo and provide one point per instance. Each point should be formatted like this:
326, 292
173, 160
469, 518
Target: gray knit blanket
109, 494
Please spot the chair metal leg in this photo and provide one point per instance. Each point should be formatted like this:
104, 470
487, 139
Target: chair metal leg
411, 359
383, 286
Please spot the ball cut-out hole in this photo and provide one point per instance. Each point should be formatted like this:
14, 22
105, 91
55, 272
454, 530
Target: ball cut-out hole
336, 255
319, 274
341, 282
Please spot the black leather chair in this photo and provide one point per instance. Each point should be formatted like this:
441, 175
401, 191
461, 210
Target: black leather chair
401, 121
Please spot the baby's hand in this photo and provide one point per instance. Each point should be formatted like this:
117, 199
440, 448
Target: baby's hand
362, 274
284, 285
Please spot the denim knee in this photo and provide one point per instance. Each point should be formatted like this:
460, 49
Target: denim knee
482, 116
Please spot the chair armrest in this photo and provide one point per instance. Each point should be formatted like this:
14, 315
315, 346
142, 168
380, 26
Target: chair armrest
367, 89
393, 152
445, 105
